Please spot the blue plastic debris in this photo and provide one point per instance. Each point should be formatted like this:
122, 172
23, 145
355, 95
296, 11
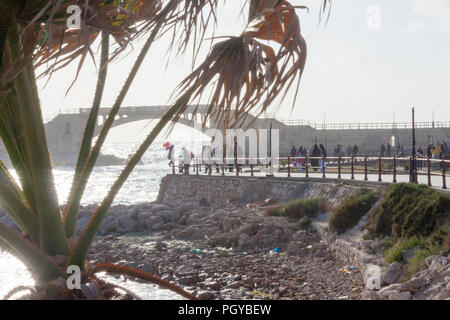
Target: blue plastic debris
276, 250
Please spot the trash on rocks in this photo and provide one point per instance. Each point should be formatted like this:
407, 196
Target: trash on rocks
196, 251
276, 250
309, 247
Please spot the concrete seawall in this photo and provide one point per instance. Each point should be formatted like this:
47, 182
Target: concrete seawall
218, 191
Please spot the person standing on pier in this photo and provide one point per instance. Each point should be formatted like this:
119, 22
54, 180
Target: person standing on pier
323, 155
186, 159
382, 150
388, 150
420, 155
315, 154
355, 150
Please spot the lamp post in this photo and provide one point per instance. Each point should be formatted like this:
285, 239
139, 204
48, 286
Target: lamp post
413, 177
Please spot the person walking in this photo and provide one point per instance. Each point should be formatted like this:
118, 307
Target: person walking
388, 150
316, 155
355, 150
186, 159
299, 161
436, 154
382, 150
420, 155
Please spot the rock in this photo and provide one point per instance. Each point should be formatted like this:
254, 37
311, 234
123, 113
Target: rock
443, 261
147, 267
293, 248
206, 295
214, 285
393, 273
204, 203
133, 213
370, 295
155, 208
270, 201
405, 295
409, 254
190, 280
243, 240
167, 215
128, 224
154, 222
412, 285
110, 223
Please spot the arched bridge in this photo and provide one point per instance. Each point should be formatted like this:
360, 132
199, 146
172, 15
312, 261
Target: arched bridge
65, 129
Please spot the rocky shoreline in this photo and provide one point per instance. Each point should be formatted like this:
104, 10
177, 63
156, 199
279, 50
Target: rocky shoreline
226, 253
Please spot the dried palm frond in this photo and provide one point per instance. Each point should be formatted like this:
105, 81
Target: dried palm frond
245, 73
125, 21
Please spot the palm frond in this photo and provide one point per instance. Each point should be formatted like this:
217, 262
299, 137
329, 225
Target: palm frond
246, 74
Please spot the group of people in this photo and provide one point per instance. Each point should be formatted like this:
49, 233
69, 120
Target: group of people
184, 159
350, 151
386, 150
317, 153
433, 151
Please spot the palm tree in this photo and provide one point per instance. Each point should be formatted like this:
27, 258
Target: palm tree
244, 73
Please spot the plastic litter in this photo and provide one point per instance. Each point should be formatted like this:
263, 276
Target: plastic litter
276, 250
196, 251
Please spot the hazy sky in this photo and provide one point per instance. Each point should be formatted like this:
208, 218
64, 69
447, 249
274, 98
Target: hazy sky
374, 58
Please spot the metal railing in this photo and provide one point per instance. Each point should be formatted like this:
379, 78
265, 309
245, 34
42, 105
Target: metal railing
362, 168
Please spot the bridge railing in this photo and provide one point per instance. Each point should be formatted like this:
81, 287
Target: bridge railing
432, 172
287, 122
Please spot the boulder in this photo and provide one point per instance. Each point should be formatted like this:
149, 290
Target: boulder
127, 224
393, 273
167, 215
109, 224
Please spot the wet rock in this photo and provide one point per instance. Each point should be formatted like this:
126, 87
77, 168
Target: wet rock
393, 273
148, 267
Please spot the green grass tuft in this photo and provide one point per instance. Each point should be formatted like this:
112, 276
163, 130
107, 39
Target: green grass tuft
300, 208
350, 211
409, 210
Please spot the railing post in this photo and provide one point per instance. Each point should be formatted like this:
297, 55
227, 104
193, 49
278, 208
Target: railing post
444, 182
365, 169
395, 169
379, 169
209, 169
223, 168
353, 168
429, 171
289, 167
173, 167
237, 168
306, 167
339, 166
323, 167
251, 170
